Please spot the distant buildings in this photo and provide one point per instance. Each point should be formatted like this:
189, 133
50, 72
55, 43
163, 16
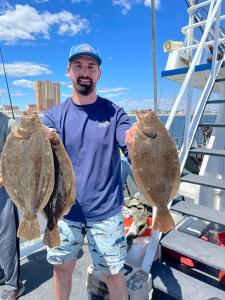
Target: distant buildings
31, 108
5, 108
47, 94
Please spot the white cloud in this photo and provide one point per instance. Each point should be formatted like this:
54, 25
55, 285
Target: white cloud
65, 83
20, 69
131, 104
114, 95
127, 4
113, 90
79, 1
24, 22
148, 3
18, 94
24, 83
4, 5
2, 92
137, 104
41, 1
65, 95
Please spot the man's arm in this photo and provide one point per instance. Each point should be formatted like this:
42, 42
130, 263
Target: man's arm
1, 181
129, 138
48, 125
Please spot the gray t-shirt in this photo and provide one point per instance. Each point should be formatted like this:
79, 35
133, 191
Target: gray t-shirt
6, 125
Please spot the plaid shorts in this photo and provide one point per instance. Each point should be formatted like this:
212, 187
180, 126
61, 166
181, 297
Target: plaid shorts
106, 242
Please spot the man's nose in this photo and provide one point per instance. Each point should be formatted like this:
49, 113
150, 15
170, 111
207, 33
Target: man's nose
85, 70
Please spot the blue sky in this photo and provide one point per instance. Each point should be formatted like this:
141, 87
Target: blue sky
36, 36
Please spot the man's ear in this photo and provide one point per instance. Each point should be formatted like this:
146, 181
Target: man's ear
99, 73
68, 70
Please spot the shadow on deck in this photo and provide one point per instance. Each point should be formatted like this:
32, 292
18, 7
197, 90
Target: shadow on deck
36, 273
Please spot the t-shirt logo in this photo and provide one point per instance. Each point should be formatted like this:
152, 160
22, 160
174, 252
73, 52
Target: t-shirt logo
103, 124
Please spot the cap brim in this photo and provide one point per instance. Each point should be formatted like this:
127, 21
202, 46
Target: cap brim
92, 55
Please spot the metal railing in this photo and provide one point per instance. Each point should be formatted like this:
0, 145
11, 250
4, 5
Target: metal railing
214, 13
214, 16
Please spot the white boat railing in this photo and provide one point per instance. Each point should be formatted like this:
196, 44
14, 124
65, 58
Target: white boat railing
214, 16
198, 53
205, 45
196, 6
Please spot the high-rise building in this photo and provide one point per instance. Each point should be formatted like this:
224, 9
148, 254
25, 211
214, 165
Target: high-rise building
47, 94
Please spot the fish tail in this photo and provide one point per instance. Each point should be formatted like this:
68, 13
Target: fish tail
52, 237
163, 220
29, 229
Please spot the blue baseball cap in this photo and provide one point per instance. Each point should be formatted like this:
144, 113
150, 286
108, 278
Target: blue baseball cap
85, 50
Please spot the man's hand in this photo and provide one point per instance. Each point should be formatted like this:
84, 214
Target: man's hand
49, 132
1, 181
129, 138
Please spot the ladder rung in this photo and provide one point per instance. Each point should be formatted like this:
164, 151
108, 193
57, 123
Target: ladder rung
205, 252
216, 101
220, 80
212, 125
183, 286
189, 208
205, 151
204, 181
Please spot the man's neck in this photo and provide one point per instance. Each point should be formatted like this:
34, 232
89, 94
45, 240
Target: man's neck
84, 100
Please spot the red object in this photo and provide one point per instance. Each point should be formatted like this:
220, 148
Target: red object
221, 238
221, 277
146, 232
187, 261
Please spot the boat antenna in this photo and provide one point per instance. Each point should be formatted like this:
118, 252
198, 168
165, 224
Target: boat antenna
154, 54
7, 83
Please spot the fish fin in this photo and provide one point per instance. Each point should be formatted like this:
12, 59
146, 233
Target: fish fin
163, 220
29, 229
52, 237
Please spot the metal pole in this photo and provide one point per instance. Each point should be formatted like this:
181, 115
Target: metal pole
10, 100
154, 55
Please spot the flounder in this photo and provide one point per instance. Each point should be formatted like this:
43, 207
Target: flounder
63, 194
28, 172
155, 165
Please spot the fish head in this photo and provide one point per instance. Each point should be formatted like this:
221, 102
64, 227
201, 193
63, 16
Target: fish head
147, 122
28, 124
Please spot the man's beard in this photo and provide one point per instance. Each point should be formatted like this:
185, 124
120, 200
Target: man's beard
84, 89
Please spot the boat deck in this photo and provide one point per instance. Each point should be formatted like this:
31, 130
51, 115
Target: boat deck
36, 273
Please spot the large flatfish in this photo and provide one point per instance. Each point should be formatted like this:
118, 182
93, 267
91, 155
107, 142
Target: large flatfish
28, 172
155, 166
63, 194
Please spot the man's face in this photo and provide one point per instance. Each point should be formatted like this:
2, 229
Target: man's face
84, 73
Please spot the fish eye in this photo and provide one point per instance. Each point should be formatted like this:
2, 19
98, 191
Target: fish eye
153, 135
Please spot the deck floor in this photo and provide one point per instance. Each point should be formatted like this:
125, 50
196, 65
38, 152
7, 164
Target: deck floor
37, 275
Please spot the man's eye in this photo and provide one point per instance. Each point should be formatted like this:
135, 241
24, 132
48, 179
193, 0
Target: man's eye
92, 68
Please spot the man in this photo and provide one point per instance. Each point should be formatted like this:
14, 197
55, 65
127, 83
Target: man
92, 130
9, 243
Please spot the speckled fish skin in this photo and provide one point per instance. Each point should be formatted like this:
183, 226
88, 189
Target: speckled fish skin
155, 165
28, 172
63, 194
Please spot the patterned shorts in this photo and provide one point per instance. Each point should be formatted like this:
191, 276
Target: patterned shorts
106, 242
